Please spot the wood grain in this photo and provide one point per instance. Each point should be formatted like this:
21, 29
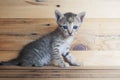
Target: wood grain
22, 21
94, 34
60, 78
54, 72
94, 8
86, 58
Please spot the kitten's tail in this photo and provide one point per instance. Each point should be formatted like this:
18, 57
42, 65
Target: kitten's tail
8, 63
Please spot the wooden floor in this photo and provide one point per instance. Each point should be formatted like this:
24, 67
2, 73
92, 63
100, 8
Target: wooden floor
55, 73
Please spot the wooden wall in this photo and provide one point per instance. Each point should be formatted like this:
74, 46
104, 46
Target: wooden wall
22, 21
30, 9
94, 34
100, 30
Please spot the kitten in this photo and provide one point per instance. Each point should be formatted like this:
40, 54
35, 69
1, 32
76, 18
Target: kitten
51, 48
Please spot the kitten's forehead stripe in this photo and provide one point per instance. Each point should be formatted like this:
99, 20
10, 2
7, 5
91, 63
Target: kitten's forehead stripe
70, 17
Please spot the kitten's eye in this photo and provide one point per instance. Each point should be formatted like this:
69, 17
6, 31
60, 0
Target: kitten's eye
65, 27
75, 27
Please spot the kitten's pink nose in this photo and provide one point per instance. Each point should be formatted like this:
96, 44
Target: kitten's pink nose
70, 33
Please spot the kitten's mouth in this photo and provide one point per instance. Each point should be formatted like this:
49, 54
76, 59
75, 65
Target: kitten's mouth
67, 35
70, 34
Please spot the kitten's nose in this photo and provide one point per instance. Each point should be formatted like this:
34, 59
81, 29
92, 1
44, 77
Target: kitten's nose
70, 33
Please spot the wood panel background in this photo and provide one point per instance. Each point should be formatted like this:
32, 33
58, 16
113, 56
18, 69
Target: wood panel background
16, 32
53, 73
86, 58
26, 9
22, 21
94, 34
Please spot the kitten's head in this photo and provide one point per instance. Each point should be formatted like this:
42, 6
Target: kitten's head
69, 23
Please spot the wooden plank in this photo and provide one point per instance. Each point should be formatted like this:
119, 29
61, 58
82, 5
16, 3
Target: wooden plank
58, 68
94, 8
60, 75
18, 32
26, 26
102, 33
60, 78
8, 55
86, 58
55, 72
25, 29
47, 70
39, 21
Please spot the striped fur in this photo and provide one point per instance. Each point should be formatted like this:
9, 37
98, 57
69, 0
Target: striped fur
51, 48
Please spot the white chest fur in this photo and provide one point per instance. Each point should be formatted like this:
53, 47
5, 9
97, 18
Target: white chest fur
68, 41
66, 44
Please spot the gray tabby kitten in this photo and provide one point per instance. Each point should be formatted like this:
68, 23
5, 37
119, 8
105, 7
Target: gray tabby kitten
51, 48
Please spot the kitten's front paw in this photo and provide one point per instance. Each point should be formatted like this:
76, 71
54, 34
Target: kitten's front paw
64, 65
75, 64
60, 64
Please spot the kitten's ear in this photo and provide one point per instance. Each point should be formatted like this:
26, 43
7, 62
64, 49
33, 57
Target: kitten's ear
58, 14
81, 16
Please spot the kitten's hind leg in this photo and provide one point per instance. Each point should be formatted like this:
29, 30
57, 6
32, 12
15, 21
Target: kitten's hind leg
71, 59
25, 63
37, 64
30, 64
